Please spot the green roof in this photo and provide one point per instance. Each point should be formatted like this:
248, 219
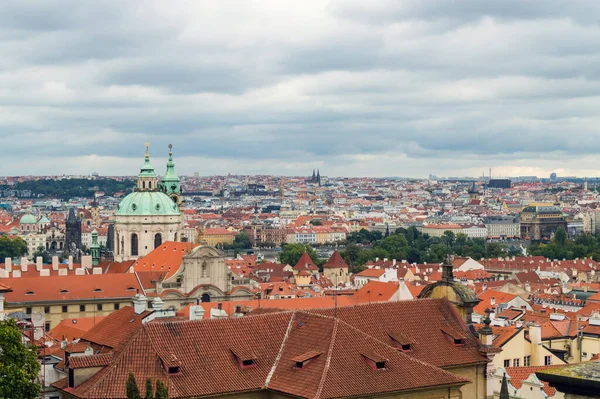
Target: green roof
147, 203
28, 218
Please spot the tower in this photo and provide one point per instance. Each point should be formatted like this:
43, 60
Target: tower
95, 211
172, 186
73, 234
95, 248
319, 177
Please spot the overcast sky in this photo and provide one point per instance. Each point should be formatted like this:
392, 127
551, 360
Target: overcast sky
355, 88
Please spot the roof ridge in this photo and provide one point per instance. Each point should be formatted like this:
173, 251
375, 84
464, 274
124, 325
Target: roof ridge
276, 363
328, 358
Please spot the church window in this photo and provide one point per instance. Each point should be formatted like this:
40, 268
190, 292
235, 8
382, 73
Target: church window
134, 244
143, 184
205, 298
157, 240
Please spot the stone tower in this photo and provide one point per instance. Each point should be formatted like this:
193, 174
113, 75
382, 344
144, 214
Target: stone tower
73, 235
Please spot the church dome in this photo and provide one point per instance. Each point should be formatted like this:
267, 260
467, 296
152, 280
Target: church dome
28, 218
147, 203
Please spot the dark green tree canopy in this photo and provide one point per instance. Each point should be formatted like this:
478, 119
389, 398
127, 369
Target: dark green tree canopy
18, 364
291, 253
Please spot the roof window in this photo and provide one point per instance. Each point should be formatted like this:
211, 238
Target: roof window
375, 360
305, 358
174, 370
401, 342
244, 357
455, 337
30, 293
64, 291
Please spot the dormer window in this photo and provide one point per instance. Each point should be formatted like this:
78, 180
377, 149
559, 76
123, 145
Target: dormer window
174, 370
305, 358
375, 360
455, 337
401, 342
64, 291
244, 357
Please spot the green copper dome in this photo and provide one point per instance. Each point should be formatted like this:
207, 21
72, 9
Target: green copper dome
147, 170
28, 218
147, 203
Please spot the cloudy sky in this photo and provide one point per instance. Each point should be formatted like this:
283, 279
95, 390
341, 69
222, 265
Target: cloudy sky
355, 88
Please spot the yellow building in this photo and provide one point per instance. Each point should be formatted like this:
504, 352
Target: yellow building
216, 235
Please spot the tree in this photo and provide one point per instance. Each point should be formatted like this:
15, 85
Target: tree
316, 222
18, 364
162, 391
12, 247
131, 388
560, 236
41, 251
149, 394
291, 253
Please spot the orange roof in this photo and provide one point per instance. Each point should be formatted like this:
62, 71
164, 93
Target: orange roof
71, 329
166, 258
376, 291
305, 263
486, 300
520, 374
115, 328
72, 287
371, 273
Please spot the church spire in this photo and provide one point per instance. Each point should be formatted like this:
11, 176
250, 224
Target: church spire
147, 179
170, 182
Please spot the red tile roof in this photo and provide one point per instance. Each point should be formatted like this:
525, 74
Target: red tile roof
520, 374
305, 263
116, 328
336, 260
166, 258
204, 352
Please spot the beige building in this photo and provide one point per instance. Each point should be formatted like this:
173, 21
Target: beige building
147, 217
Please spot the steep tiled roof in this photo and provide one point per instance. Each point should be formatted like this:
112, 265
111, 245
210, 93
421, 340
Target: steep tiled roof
382, 318
336, 260
371, 273
205, 352
305, 263
71, 329
166, 258
116, 328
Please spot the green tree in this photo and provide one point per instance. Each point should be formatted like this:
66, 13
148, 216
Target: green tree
316, 222
149, 394
18, 364
291, 253
560, 236
41, 251
162, 391
12, 247
131, 388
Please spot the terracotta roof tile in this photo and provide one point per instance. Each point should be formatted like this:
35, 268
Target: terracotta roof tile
167, 258
116, 328
336, 260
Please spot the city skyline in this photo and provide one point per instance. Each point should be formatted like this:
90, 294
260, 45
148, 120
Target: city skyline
386, 88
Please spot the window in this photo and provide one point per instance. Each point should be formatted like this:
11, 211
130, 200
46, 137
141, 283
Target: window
46, 309
547, 360
157, 240
527, 361
65, 309
116, 306
506, 363
174, 370
28, 310
516, 362
99, 306
82, 308
134, 245
47, 327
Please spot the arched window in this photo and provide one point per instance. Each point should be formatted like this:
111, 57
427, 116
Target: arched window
175, 237
134, 245
205, 298
203, 269
143, 184
157, 240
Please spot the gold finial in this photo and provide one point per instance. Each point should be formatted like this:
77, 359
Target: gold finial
147, 147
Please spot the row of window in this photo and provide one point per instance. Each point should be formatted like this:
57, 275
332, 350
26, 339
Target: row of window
526, 361
65, 308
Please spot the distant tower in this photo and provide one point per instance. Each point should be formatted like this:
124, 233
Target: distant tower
319, 177
95, 212
314, 176
73, 234
473, 194
172, 186
95, 248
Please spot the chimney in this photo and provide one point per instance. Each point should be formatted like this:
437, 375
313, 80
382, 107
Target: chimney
55, 263
483, 287
196, 312
8, 264
62, 272
493, 300
86, 261
16, 273
220, 306
79, 271
24, 264
139, 303
96, 270
158, 304
527, 287
88, 351
70, 263
44, 272
39, 263
535, 337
